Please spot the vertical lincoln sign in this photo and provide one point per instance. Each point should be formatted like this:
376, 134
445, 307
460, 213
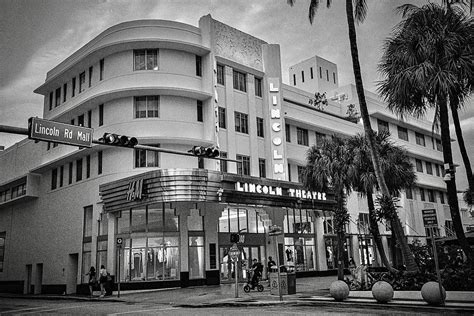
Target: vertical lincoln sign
276, 129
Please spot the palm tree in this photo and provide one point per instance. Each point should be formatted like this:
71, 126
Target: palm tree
424, 63
358, 13
397, 169
328, 167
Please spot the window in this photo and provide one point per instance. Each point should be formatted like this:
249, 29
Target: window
73, 88
80, 120
70, 173
61, 176
64, 92
429, 169
419, 165
87, 240
302, 136
241, 122
302, 76
382, 126
147, 106
101, 70
334, 77
145, 59
402, 133
287, 133
243, 168
57, 101
327, 74
311, 72
101, 114
196, 257
3, 236
89, 118
88, 166
439, 147
220, 74
320, 73
449, 228
51, 100
409, 194
437, 170
422, 194
223, 163
430, 195
294, 79
300, 170
4, 195
441, 197
420, 139
147, 158
289, 172
54, 178
222, 120
200, 163
91, 71
258, 87
79, 170
240, 81
19, 190
82, 81
199, 111
260, 127
320, 137
198, 66
261, 168
99, 162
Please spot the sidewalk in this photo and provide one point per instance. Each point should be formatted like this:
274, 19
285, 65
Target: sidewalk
309, 291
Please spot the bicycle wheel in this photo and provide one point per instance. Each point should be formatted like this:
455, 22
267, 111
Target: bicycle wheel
246, 288
260, 288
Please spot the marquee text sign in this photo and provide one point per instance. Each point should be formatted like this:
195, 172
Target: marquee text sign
279, 191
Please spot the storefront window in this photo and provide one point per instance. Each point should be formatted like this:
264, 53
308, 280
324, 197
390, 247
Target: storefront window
86, 260
101, 253
300, 251
196, 257
138, 220
331, 252
241, 220
103, 225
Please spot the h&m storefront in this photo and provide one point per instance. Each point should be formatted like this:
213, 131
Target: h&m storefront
176, 224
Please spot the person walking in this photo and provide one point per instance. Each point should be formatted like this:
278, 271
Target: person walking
102, 280
92, 280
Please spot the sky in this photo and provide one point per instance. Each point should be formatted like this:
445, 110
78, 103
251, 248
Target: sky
36, 35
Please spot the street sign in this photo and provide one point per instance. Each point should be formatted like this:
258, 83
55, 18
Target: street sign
234, 252
51, 131
275, 230
429, 218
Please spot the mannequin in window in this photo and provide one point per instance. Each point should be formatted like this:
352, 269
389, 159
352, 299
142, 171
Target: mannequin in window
289, 254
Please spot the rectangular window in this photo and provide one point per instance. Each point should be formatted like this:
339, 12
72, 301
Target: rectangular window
64, 92
402, 133
222, 119
88, 166
320, 137
87, 222
145, 59
429, 168
287, 133
91, 71
300, 170
61, 176
327, 74
294, 79
199, 111
289, 172
260, 127
82, 81
196, 257
99, 162
240, 82
147, 106
302, 136
409, 194
54, 178
73, 88
57, 100
420, 139
334, 77
241, 122
101, 114
3, 236
212, 256
437, 170
422, 194
441, 197
73, 122
382, 126
147, 158
243, 168
258, 87
311, 72
19, 190
220, 75
302, 76
78, 169
70, 173
89, 118
262, 168
198, 66
431, 195
101, 70
51, 96
80, 120
419, 165
320, 73
439, 147
223, 162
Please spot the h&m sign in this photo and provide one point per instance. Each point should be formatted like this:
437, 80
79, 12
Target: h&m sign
135, 190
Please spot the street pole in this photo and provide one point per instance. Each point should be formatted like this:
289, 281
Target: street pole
278, 268
438, 274
118, 272
236, 278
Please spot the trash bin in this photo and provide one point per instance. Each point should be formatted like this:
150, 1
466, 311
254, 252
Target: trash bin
287, 283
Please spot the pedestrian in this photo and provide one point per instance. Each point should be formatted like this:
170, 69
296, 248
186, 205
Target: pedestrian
102, 280
271, 264
92, 280
257, 269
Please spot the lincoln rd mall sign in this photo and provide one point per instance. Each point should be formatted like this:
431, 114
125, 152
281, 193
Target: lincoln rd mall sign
51, 131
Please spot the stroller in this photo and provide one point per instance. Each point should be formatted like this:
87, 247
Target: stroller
256, 284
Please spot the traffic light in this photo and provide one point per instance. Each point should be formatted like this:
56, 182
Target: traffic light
201, 151
234, 238
119, 140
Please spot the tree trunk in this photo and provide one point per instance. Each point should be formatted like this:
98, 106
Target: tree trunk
396, 224
451, 185
374, 229
341, 237
465, 158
